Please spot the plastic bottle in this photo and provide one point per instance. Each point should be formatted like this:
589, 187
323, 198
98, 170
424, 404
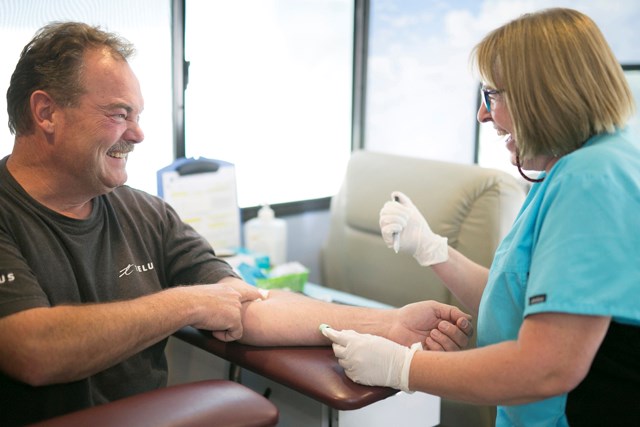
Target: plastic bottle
267, 235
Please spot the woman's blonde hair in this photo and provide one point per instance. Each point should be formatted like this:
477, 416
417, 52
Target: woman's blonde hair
560, 80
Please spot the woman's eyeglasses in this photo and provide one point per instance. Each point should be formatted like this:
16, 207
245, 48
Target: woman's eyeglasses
486, 95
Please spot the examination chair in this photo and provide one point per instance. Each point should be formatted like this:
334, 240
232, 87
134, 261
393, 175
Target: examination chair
208, 403
472, 206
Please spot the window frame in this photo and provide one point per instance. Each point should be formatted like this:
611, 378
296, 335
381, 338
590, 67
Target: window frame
181, 78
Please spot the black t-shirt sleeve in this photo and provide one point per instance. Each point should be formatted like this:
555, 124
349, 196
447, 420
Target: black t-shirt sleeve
19, 288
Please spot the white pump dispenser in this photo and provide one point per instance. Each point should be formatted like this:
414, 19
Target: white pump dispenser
267, 235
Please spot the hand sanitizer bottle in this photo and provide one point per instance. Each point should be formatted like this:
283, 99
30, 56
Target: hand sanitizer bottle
267, 235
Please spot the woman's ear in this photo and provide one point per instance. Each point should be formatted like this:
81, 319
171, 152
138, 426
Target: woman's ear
42, 110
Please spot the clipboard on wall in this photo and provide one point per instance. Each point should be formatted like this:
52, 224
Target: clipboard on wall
204, 193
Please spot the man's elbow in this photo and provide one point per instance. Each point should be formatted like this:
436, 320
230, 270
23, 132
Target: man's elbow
33, 369
32, 374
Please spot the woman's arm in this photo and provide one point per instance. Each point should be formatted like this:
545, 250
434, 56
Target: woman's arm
464, 278
404, 229
552, 355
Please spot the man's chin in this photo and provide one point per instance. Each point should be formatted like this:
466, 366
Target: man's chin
115, 183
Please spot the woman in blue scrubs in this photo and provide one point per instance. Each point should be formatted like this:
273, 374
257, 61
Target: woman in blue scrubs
559, 309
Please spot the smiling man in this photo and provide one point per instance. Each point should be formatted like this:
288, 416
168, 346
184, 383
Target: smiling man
83, 144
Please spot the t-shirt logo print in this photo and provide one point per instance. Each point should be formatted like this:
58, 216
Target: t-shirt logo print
133, 268
7, 277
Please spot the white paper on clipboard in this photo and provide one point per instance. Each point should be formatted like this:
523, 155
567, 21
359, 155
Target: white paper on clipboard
208, 202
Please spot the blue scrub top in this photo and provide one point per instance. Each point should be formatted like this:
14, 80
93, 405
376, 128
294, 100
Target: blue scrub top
574, 248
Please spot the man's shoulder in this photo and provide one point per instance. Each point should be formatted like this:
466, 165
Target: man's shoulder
136, 202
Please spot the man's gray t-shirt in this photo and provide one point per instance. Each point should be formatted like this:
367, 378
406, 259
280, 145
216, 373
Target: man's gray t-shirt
133, 244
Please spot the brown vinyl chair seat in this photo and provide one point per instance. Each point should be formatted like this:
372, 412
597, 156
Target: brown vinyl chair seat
208, 403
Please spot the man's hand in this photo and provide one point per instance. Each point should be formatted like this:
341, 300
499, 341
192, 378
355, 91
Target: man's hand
247, 291
222, 311
437, 326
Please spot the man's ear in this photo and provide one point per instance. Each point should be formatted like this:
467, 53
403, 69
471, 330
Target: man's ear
42, 110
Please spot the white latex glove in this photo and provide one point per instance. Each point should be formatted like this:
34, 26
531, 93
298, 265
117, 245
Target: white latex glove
403, 219
372, 360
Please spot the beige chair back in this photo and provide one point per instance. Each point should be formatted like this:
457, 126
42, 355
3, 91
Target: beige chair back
473, 207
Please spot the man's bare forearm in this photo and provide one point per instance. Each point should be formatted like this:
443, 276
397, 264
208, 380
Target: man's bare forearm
286, 318
67, 343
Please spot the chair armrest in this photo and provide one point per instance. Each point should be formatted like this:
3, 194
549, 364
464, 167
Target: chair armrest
198, 404
312, 371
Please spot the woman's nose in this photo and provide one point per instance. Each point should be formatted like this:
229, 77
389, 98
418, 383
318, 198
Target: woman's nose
483, 115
